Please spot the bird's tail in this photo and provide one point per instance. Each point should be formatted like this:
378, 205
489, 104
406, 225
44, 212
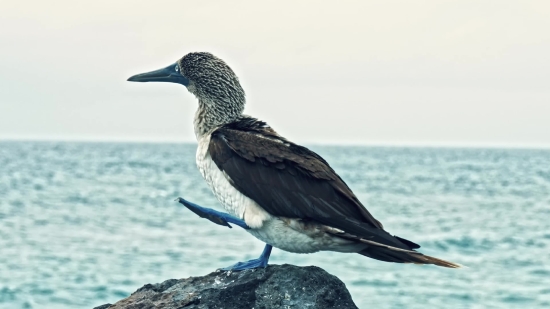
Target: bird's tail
389, 253
396, 255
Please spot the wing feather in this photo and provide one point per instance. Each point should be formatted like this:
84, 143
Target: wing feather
292, 181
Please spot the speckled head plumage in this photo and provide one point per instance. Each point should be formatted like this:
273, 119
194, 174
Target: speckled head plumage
211, 79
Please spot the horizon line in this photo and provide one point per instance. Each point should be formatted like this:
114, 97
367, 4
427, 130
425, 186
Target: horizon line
396, 144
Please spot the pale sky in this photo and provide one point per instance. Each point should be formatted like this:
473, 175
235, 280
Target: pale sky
341, 72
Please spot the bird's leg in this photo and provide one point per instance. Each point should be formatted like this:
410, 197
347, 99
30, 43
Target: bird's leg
224, 219
215, 216
255, 263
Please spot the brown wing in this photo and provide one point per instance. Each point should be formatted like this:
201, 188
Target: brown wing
289, 180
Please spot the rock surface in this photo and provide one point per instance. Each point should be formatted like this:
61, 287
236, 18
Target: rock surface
277, 286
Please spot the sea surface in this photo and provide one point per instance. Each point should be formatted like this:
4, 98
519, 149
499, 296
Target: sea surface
83, 224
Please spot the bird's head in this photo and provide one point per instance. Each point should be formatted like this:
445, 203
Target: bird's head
209, 78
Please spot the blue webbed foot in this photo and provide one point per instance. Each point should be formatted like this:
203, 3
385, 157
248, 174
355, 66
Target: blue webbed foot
215, 216
255, 263
224, 219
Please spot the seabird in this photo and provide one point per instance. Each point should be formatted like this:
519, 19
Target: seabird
280, 192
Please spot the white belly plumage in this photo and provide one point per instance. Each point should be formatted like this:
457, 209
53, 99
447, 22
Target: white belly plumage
283, 233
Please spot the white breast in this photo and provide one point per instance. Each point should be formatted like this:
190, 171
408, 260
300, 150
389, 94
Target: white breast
232, 200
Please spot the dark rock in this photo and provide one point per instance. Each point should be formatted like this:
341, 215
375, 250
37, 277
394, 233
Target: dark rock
277, 286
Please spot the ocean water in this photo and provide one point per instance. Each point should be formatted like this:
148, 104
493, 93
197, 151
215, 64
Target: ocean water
83, 224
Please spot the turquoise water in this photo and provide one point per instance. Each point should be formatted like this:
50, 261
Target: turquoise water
83, 224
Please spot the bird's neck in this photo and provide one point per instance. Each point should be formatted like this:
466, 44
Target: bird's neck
210, 115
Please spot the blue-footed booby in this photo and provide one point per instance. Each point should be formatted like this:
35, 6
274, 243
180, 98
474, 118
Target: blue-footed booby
282, 193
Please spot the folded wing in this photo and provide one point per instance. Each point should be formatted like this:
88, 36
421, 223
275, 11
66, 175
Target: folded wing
292, 181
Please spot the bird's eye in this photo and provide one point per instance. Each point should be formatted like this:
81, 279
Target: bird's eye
177, 68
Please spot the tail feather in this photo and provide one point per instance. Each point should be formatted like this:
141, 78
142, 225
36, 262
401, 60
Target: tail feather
396, 255
388, 253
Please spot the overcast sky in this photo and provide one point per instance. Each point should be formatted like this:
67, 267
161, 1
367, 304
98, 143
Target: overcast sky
347, 72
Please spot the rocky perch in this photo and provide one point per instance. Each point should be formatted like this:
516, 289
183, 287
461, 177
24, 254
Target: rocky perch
277, 286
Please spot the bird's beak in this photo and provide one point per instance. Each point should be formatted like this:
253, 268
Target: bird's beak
169, 74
